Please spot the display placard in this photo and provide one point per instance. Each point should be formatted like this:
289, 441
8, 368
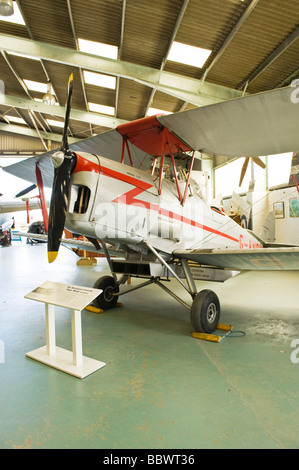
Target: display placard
64, 295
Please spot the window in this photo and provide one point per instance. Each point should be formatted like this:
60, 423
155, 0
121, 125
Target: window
227, 178
279, 168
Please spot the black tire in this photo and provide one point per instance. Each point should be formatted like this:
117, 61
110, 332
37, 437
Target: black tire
205, 311
106, 300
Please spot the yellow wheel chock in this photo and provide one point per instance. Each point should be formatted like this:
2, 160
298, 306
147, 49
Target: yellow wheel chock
93, 309
213, 337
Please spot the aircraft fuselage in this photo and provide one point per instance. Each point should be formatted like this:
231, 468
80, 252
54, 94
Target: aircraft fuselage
114, 202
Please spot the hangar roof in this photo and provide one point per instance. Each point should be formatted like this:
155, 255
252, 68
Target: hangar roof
254, 47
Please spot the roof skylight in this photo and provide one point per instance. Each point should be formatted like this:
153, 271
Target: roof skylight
19, 54
16, 17
189, 55
16, 119
154, 111
54, 123
36, 86
98, 48
101, 108
98, 79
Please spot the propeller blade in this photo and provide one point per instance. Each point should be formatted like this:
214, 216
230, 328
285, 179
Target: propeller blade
259, 162
26, 190
243, 171
64, 163
65, 147
59, 206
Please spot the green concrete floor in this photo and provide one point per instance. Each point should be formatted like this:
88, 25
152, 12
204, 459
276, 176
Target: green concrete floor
160, 388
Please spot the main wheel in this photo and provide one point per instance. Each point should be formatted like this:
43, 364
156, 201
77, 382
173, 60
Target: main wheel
205, 311
109, 287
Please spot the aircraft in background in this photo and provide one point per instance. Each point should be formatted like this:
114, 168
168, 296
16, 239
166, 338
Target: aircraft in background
157, 220
7, 209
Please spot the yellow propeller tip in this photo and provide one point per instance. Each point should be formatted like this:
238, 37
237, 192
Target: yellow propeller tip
52, 255
71, 77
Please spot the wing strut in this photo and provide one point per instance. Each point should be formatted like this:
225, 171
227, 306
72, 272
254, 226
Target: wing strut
188, 178
174, 169
164, 263
125, 144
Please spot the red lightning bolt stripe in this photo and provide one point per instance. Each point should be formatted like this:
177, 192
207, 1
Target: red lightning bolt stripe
129, 198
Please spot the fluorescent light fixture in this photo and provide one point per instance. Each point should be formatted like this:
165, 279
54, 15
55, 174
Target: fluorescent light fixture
154, 111
40, 100
16, 17
101, 108
54, 123
189, 55
6, 7
16, 119
36, 86
98, 79
98, 48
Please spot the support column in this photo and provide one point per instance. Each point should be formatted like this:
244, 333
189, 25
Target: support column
50, 330
76, 337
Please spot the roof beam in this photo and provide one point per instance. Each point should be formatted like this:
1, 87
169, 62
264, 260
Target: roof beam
231, 35
80, 71
271, 58
147, 75
173, 35
76, 114
288, 79
32, 133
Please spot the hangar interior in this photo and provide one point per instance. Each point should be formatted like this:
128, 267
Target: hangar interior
161, 388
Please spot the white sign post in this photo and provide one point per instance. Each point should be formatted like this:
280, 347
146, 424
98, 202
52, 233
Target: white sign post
75, 298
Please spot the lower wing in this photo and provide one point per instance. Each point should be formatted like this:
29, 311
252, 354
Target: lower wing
261, 259
75, 243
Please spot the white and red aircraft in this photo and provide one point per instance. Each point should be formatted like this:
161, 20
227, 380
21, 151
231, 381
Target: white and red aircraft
159, 224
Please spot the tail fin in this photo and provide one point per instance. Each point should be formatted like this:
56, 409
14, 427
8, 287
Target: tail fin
267, 233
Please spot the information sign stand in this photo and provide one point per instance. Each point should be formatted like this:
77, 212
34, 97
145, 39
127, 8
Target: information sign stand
75, 298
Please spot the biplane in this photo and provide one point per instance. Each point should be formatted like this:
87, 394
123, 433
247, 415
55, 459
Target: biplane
8, 206
125, 189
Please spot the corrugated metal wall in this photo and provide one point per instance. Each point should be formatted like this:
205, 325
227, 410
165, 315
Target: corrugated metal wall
14, 143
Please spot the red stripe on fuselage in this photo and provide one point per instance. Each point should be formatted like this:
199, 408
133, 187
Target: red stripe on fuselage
83, 164
129, 198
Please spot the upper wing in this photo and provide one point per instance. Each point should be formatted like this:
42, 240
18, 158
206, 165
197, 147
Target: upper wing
255, 125
108, 144
261, 259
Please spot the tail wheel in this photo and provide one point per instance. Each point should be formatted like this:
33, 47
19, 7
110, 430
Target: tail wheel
205, 311
109, 287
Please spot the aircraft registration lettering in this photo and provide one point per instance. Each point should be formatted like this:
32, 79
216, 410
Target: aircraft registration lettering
250, 244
